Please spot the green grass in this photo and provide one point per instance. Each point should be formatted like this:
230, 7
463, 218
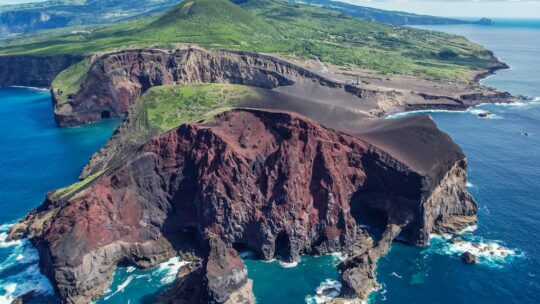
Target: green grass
294, 30
69, 81
66, 192
165, 107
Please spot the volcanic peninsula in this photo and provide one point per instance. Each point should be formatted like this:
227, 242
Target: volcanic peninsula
225, 151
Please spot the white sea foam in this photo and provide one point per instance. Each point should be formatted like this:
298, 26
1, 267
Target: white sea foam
122, 286
409, 113
3, 236
327, 290
25, 253
23, 282
130, 269
170, 269
32, 88
489, 253
340, 256
165, 272
469, 229
469, 185
288, 264
394, 274
5, 227
5, 244
474, 111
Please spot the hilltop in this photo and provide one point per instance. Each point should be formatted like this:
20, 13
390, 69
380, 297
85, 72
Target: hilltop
278, 27
384, 16
53, 14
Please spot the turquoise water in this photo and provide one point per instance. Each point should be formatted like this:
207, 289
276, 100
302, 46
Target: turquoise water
35, 157
504, 171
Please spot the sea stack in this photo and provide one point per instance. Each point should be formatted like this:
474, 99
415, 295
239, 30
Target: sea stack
469, 258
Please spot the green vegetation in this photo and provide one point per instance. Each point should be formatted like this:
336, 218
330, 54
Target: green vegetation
383, 16
166, 107
70, 80
66, 192
295, 30
35, 16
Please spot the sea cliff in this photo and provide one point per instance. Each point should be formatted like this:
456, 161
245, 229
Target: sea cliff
33, 71
275, 183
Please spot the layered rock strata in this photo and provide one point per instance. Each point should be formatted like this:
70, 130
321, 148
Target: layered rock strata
114, 81
33, 71
274, 183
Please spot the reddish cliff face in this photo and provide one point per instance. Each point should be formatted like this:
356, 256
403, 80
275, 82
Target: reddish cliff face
115, 80
33, 71
274, 183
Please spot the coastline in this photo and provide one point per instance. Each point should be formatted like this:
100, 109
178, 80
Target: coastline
45, 89
427, 105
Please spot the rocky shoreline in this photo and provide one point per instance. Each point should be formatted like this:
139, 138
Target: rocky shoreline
272, 181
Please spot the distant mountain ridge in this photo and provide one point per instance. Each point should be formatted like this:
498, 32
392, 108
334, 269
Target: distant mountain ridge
384, 16
32, 17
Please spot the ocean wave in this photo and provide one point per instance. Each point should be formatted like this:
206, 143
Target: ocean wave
32, 88
339, 256
518, 104
169, 269
5, 227
28, 280
469, 229
473, 110
288, 264
394, 274
165, 273
122, 286
327, 290
409, 113
6, 244
20, 255
489, 253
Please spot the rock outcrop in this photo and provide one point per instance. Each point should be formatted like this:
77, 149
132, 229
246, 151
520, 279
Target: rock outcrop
274, 183
114, 81
469, 258
33, 71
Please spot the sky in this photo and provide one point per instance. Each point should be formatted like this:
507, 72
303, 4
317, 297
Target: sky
456, 8
444, 8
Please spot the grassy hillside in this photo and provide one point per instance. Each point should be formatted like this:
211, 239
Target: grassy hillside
31, 17
383, 16
167, 107
277, 26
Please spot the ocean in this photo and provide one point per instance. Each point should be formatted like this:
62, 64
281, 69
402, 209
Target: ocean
504, 170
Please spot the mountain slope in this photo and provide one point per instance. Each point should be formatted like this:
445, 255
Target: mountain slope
383, 16
293, 30
31, 17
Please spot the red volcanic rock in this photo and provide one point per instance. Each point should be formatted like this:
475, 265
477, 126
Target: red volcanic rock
274, 183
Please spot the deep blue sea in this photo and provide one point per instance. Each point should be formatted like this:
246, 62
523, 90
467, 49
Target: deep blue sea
504, 172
